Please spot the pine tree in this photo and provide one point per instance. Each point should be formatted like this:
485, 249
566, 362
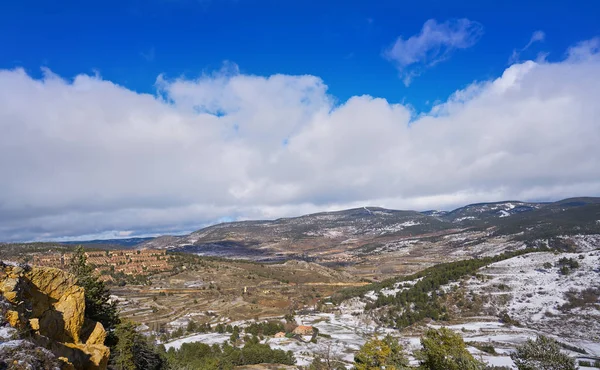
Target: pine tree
445, 350
542, 354
123, 352
97, 296
134, 352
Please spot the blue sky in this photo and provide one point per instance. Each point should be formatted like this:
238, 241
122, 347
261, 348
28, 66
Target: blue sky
128, 118
132, 42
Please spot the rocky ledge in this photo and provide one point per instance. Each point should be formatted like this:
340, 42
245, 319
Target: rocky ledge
42, 322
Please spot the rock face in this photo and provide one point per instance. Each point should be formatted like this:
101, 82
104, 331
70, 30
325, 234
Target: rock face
46, 303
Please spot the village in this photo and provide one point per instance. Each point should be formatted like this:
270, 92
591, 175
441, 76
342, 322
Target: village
105, 262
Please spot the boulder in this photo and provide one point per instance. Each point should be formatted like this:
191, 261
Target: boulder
48, 302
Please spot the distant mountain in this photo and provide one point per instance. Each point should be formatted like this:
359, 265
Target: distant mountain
336, 232
123, 243
435, 213
484, 211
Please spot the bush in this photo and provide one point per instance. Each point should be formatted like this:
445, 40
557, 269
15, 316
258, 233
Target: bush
543, 353
484, 347
575, 299
506, 319
381, 353
566, 265
445, 350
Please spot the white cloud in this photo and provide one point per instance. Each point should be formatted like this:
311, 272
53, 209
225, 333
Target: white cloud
434, 44
584, 50
537, 36
88, 157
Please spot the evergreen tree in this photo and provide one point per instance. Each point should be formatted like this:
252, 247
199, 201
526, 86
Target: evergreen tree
445, 350
542, 354
133, 351
122, 355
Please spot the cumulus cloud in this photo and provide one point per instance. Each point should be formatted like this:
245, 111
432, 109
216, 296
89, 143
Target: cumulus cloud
537, 36
89, 157
434, 44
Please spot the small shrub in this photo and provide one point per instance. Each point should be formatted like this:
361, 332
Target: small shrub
506, 319
543, 353
381, 353
485, 347
583, 298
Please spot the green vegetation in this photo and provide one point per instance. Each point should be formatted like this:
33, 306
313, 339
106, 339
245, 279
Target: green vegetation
507, 320
384, 353
265, 328
566, 265
543, 353
485, 347
134, 351
445, 350
589, 363
580, 299
200, 356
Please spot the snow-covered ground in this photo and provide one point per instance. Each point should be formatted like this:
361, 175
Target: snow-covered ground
8, 339
534, 294
585, 243
208, 338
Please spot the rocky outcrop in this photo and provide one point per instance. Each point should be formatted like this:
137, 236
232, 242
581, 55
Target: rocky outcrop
47, 304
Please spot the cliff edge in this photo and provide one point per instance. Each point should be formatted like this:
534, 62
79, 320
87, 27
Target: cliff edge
42, 319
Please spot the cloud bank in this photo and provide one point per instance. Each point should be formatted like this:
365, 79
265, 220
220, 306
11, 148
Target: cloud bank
89, 157
434, 44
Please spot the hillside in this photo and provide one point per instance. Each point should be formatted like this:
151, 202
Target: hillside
336, 236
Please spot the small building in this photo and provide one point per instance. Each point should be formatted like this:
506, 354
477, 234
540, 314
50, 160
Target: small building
303, 330
280, 335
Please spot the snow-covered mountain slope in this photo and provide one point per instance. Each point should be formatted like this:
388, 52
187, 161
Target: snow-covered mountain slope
536, 293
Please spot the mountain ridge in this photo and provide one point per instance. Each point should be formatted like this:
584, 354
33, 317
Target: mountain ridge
352, 228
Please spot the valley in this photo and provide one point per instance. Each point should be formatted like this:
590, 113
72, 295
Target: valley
497, 274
